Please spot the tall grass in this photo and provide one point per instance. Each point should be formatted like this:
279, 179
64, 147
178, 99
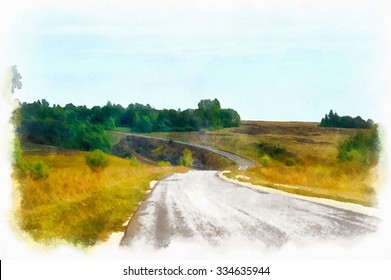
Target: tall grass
78, 205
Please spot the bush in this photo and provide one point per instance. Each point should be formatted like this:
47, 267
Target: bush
270, 151
97, 160
290, 162
265, 160
19, 163
362, 147
38, 170
133, 161
186, 158
163, 163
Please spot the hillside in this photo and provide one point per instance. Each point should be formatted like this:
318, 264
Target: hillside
298, 157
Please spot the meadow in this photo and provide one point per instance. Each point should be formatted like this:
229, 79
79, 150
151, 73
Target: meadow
297, 157
75, 204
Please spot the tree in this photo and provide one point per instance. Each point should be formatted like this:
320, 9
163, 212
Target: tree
333, 120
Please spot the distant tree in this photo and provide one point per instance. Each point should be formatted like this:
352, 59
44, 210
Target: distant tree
333, 120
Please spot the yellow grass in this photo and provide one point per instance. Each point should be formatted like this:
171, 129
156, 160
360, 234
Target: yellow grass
318, 173
79, 206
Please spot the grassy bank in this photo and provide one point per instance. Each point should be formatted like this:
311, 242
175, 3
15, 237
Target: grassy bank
80, 206
296, 157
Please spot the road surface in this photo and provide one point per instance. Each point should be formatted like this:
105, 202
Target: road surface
199, 207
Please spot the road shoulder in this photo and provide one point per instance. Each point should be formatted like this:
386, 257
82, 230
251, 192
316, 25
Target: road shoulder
370, 211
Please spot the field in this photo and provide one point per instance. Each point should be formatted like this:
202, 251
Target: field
296, 157
76, 205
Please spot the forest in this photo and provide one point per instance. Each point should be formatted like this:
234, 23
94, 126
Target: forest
79, 127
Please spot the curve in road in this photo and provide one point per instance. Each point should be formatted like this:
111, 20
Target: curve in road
198, 206
242, 162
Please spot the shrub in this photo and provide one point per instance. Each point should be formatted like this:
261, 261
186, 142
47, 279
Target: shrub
186, 159
97, 160
265, 160
19, 163
270, 151
133, 161
290, 162
163, 163
38, 170
362, 147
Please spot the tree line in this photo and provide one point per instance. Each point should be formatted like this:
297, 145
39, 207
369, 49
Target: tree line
79, 127
333, 120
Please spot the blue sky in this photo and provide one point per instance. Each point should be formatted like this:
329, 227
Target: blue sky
268, 63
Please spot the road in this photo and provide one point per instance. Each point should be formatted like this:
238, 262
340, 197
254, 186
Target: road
199, 207
243, 163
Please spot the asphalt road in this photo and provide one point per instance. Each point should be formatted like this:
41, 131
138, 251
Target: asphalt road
200, 207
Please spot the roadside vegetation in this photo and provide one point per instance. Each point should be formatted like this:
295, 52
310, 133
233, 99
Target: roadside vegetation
97, 160
301, 158
77, 204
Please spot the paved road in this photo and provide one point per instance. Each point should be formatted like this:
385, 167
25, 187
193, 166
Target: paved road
243, 163
200, 207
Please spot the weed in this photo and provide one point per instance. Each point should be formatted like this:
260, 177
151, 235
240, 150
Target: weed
158, 149
38, 170
163, 163
186, 159
134, 161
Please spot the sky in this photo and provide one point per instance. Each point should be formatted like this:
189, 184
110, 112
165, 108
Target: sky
267, 61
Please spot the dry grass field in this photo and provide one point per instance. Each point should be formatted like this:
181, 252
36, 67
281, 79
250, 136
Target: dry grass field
305, 163
77, 205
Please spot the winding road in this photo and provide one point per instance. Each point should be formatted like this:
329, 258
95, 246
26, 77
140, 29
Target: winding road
243, 163
199, 207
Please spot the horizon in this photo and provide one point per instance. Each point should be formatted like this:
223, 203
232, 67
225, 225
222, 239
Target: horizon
192, 108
